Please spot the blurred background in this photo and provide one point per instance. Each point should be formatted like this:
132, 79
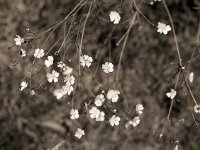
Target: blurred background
149, 69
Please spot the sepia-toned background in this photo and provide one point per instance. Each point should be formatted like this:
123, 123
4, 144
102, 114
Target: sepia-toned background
149, 69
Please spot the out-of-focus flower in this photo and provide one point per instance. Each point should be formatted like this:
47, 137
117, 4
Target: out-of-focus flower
114, 120
197, 108
171, 94
191, 77
101, 116
22, 52
113, 95
114, 17
74, 114
163, 28
139, 108
39, 53
49, 61
67, 70
61, 64
79, 133
18, 40
85, 60
108, 67
23, 85
135, 121
52, 76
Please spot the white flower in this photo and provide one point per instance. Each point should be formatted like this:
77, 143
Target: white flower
176, 147
99, 100
49, 61
67, 89
114, 17
69, 79
114, 120
23, 85
74, 114
139, 108
197, 108
59, 93
101, 116
113, 95
67, 70
61, 64
52, 76
22, 53
163, 28
85, 60
135, 121
171, 94
39, 53
79, 133
191, 77
108, 67
94, 113
18, 40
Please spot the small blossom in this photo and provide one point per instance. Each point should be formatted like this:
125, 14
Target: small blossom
39, 53
191, 77
23, 85
171, 94
114, 17
135, 121
52, 76
114, 120
61, 64
49, 61
99, 100
139, 108
163, 28
69, 79
94, 113
85, 60
113, 95
67, 89
101, 116
18, 40
79, 133
197, 108
74, 114
22, 53
176, 147
67, 70
108, 67
59, 93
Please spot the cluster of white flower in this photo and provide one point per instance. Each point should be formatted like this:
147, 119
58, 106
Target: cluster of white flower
163, 28
171, 94
113, 95
86, 60
79, 133
95, 113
